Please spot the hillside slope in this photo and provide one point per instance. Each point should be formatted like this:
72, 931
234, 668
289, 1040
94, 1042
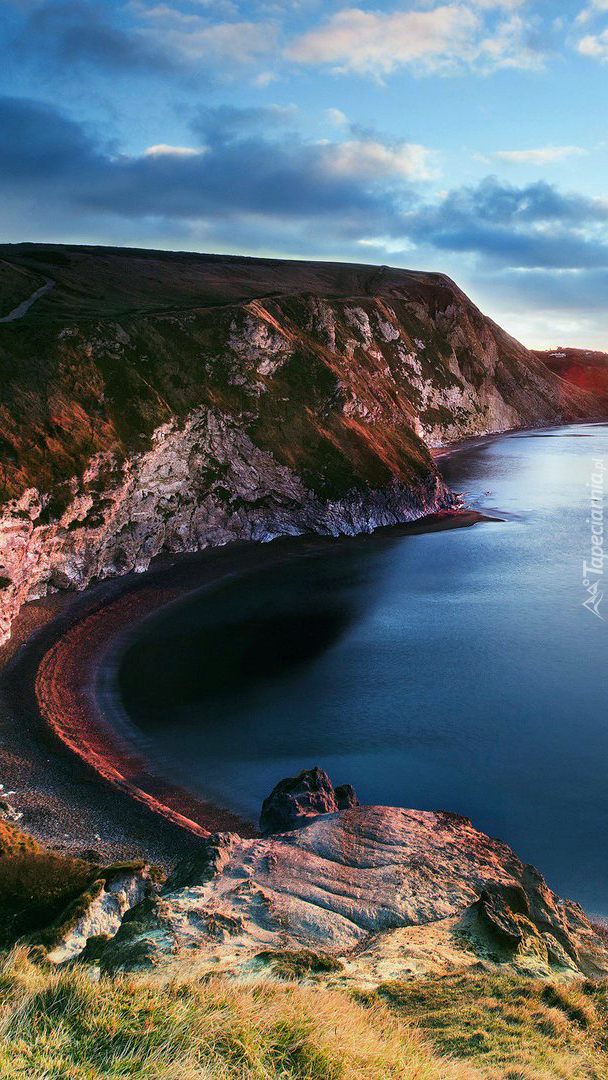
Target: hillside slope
155, 401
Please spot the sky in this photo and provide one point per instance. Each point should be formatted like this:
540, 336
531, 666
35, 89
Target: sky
463, 136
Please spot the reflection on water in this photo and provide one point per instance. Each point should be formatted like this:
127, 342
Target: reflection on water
450, 670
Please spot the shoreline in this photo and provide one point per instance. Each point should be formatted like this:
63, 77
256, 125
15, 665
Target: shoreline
65, 767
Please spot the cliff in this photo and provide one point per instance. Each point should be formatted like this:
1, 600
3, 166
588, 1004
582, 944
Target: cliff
155, 401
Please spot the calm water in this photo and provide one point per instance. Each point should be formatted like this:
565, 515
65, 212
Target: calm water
454, 670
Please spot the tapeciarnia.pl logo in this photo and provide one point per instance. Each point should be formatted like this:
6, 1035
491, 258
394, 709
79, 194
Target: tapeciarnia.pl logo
593, 571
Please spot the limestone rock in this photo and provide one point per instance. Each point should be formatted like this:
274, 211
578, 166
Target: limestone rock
386, 891
98, 914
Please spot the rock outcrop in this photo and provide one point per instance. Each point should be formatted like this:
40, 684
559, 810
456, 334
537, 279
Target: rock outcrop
297, 799
156, 402
373, 893
97, 914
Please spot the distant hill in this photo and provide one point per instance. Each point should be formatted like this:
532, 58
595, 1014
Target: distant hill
584, 368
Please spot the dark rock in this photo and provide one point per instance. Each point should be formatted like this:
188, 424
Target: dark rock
297, 799
206, 863
90, 855
94, 948
140, 937
496, 912
346, 796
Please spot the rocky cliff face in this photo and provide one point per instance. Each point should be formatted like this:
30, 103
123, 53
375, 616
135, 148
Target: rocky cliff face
156, 402
370, 893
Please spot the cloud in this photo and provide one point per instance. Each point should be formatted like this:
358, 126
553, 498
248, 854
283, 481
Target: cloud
337, 117
264, 79
370, 160
41, 144
191, 39
443, 39
154, 40
596, 7
163, 149
252, 186
520, 227
595, 46
244, 176
76, 32
541, 155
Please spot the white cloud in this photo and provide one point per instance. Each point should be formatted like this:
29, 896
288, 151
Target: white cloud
368, 160
541, 155
194, 38
596, 7
595, 46
506, 48
165, 150
483, 33
502, 5
264, 79
337, 117
375, 43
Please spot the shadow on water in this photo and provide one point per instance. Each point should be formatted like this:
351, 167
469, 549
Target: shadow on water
253, 631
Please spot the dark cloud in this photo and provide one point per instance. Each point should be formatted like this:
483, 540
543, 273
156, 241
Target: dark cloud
77, 32
248, 175
225, 123
531, 226
249, 187
40, 144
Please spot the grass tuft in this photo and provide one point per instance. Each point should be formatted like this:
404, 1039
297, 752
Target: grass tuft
297, 964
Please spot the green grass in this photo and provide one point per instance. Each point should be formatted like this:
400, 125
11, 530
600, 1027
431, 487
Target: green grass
297, 964
511, 1028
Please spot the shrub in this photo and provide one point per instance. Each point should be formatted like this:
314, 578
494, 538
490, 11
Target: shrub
35, 888
13, 841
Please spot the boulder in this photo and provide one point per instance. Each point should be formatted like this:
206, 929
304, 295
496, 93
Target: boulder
298, 799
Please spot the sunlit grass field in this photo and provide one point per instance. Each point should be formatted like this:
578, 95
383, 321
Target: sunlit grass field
75, 1025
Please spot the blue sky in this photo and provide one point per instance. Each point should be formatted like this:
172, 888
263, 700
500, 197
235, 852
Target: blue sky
467, 136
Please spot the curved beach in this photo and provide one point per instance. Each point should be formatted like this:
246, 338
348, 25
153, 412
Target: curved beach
77, 781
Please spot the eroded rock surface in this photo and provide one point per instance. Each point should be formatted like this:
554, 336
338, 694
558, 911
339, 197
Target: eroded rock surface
98, 913
388, 892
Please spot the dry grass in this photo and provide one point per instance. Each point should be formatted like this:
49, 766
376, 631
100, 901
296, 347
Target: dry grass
14, 842
72, 1027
